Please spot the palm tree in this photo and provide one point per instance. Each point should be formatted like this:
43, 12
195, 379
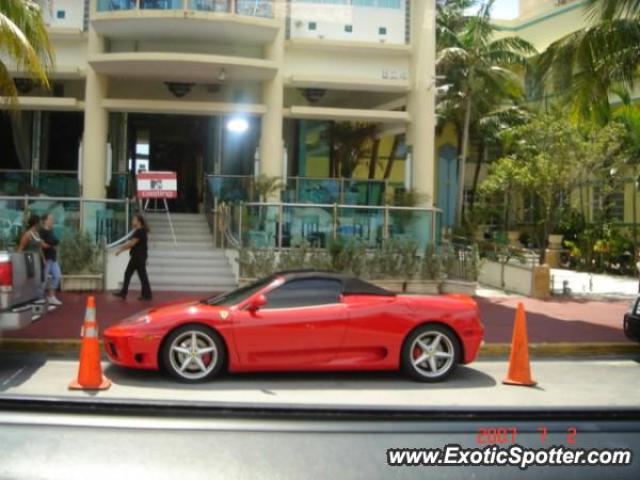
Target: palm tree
489, 133
583, 67
24, 40
475, 64
348, 143
609, 9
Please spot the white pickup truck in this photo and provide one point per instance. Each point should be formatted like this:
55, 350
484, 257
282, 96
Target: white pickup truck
21, 288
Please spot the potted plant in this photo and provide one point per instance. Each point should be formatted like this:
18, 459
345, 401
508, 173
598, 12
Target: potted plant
81, 265
255, 263
513, 236
429, 274
555, 241
462, 266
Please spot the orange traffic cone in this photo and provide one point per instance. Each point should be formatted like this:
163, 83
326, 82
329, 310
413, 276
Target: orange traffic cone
519, 368
90, 371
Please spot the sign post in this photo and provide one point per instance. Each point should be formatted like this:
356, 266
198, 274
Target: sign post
158, 185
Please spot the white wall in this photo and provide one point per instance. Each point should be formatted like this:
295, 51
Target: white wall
331, 19
518, 278
375, 66
63, 13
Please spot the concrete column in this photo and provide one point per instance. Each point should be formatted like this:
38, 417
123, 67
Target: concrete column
96, 125
421, 99
273, 97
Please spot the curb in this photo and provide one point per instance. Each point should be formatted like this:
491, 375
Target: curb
578, 349
68, 347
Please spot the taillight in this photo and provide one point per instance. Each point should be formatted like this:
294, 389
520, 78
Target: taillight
6, 275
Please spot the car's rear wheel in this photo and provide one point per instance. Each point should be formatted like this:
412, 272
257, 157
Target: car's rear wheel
431, 353
193, 353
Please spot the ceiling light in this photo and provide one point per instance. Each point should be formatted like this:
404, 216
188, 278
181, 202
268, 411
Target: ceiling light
238, 125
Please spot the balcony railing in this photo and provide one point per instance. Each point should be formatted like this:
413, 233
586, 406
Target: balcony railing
348, 191
102, 219
283, 225
56, 183
253, 8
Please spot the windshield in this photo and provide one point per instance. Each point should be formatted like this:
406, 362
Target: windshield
239, 294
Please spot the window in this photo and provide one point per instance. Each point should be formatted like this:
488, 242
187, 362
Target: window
382, 30
304, 293
60, 14
348, 28
313, 25
609, 207
239, 294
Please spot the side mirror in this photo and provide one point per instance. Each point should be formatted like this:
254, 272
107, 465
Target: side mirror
256, 303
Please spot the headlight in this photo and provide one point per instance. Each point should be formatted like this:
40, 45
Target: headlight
137, 320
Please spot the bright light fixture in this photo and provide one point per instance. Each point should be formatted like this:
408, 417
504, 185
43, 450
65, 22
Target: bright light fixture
238, 125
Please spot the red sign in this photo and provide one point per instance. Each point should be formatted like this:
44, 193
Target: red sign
157, 185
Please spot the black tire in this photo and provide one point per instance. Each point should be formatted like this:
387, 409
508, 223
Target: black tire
206, 338
448, 343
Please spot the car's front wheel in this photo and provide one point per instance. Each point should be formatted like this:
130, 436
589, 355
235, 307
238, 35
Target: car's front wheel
193, 353
431, 353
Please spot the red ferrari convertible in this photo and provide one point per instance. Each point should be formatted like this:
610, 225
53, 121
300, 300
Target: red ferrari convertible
302, 321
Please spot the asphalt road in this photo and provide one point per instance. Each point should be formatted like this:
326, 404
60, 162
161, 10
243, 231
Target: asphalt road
561, 383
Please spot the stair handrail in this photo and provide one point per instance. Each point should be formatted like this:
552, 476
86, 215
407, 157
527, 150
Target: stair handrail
223, 224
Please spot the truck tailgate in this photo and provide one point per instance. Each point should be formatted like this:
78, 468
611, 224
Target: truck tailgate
27, 281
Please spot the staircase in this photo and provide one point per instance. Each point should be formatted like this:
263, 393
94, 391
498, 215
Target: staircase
193, 265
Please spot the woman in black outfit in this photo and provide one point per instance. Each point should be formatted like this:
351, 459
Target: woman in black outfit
137, 247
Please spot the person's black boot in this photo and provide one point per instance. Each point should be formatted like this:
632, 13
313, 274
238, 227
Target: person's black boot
120, 295
145, 299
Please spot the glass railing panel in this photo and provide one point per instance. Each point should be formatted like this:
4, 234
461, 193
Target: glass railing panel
364, 225
312, 224
15, 182
57, 184
66, 214
255, 8
313, 190
11, 222
115, 5
120, 186
104, 220
411, 224
210, 5
363, 192
230, 188
260, 226
161, 5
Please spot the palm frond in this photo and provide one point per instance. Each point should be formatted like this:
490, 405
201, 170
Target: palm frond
610, 9
24, 41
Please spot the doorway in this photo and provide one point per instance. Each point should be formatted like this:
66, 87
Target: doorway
175, 143
192, 146
448, 184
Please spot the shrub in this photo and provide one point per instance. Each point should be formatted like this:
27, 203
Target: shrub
78, 254
431, 264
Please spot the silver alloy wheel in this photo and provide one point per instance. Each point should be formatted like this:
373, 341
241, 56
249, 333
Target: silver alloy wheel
432, 354
193, 354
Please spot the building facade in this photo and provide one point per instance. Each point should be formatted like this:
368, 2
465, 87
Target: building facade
228, 87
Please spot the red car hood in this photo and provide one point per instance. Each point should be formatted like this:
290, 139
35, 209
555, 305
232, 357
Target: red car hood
166, 314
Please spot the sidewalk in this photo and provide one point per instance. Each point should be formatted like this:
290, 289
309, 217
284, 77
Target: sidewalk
554, 321
582, 284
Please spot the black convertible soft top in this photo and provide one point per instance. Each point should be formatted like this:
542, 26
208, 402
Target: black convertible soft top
350, 285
